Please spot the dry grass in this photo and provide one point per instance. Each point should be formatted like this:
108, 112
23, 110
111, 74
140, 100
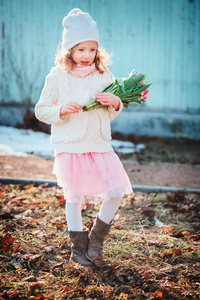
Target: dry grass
145, 261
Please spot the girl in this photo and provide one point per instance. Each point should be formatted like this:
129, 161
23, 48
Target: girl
85, 164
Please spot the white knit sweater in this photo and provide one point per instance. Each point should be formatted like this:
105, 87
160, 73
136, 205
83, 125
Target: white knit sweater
82, 132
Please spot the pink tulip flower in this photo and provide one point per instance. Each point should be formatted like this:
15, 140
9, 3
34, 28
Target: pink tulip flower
145, 92
138, 74
143, 97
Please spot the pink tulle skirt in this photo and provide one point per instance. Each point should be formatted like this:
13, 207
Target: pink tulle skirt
89, 177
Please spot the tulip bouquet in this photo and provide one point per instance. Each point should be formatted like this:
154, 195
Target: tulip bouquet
129, 90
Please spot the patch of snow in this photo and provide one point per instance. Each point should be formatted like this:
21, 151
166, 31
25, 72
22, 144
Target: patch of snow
139, 147
7, 150
22, 142
126, 147
158, 222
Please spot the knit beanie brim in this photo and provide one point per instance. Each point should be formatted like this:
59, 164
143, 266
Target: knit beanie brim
78, 27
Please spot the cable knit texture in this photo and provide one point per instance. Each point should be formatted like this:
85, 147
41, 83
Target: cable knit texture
81, 132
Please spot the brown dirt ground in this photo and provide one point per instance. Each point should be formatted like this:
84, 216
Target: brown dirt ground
183, 176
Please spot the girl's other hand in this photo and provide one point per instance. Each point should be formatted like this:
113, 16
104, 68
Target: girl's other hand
70, 108
108, 100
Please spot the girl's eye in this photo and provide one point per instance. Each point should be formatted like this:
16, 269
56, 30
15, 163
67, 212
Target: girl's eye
93, 50
80, 49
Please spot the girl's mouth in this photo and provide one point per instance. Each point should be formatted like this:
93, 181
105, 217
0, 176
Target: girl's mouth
85, 63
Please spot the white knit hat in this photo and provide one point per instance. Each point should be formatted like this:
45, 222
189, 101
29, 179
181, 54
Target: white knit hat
78, 27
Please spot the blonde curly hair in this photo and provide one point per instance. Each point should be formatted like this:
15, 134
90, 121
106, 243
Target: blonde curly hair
64, 59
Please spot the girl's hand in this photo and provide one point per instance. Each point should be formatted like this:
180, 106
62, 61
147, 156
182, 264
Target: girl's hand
70, 108
108, 100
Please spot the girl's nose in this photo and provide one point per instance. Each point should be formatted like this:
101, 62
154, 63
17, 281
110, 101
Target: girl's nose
86, 55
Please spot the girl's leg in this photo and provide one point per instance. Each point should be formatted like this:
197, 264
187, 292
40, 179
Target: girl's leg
77, 234
107, 211
74, 217
101, 227
110, 206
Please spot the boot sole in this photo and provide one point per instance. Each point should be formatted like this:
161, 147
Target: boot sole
103, 264
75, 262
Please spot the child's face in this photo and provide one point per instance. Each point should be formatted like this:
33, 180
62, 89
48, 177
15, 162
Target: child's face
84, 53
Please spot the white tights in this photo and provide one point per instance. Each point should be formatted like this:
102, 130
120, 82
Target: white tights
107, 211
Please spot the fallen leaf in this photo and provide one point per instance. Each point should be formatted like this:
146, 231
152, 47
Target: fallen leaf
178, 196
177, 251
148, 211
16, 247
66, 288
179, 234
165, 253
59, 226
6, 190
159, 293
61, 201
14, 292
29, 186
149, 259
8, 227
167, 230
33, 251
6, 242
63, 240
189, 249
117, 226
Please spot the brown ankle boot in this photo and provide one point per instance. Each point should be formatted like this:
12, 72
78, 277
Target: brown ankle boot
79, 246
96, 238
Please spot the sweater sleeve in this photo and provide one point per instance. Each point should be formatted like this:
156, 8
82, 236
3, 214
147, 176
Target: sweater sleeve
47, 110
113, 113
